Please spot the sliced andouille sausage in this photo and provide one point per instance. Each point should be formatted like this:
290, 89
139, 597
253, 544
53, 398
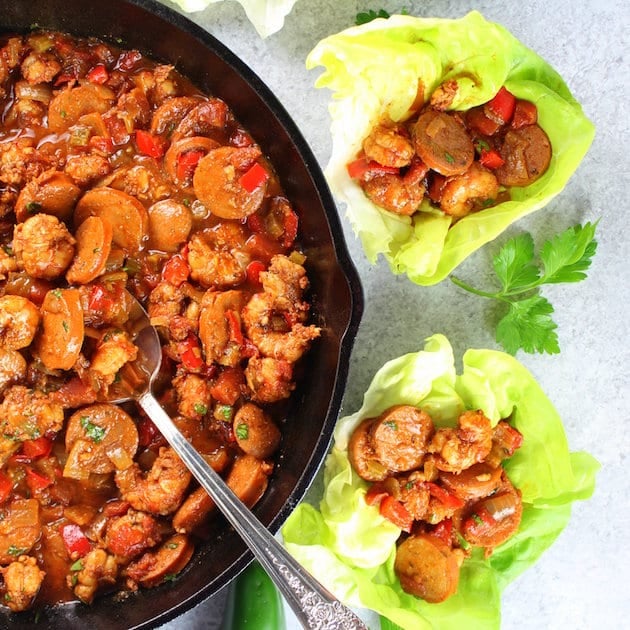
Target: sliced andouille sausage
170, 113
208, 115
170, 223
183, 155
126, 215
255, 431
53, 192
427, 568
61, 336
400, 436
94, 243
218, 184
67, 106
154, 566
494, 519
361, 453
472, 483
442, 143
527, 153
100, 438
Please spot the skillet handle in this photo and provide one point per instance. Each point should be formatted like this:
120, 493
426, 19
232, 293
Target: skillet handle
314, 606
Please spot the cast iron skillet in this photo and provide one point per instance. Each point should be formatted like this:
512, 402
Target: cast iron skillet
168, 37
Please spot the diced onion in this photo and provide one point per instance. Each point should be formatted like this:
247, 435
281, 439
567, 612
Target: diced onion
500, 506
39, 92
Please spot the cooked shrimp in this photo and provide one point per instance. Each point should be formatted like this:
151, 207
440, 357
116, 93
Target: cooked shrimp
22, 581
165, 301
388, 146
217, 182
463, 193
215, 256
161, 490
457, 449
113, 350
27, 414
12, 367
401, 194
19, 319
40, 67
129, 535
286, 281
43, 246
98, 568
8, 263
193, 395
269, 379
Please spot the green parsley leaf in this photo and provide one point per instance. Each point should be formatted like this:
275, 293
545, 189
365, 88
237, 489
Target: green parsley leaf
77, 566
93, 431
391, 424
367, 16
528, 324
15, 551
201, 409
242, 431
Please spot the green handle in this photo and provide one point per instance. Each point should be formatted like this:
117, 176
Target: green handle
253, 602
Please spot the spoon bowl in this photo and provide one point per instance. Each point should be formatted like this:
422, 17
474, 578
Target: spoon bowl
312, 603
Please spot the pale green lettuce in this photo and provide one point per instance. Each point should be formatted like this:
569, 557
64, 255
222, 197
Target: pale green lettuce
349, 547
267, 16
374, 72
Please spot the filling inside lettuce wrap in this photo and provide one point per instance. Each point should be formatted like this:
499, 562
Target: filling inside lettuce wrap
351, 547
390, 73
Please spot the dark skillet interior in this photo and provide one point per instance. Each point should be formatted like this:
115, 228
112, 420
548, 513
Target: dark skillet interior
168, 37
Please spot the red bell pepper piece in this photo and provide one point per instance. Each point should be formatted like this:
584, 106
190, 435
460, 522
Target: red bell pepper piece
176, 270
187, 163
148, 144
525, 113
290, 228
76, 542
375, 494
501, 107
100, 299
36, 481
255, 223
227, 387
263, 247
35, 449
98, 74
234, 327
444, 531
361, 167
254, 177
394, 511
6, 486
191, 353
102, 144
443, 496
491, 159
253, 271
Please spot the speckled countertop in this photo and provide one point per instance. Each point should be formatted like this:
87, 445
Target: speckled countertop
581, 582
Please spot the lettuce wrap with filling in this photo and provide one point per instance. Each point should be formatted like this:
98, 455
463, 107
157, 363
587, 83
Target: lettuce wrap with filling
351, 548
382, 70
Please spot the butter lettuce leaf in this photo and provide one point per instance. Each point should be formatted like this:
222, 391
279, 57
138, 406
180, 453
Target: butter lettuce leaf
267, 16
379, 69
351, 548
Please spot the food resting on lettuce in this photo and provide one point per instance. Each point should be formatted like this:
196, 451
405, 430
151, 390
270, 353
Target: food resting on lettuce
354, 550
445, 488
386, 74
459, 161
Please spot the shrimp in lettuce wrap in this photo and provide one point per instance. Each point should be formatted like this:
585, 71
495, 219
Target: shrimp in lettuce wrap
444, 133
351, 543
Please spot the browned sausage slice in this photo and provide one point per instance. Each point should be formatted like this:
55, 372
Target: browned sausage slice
400, 437
61, 336
170, 113
527, 153
155, 566
427, 568
179, 150
442, 143
20, 528
67, 106
127, 217
100, 438
473, 483
53, 192
170, 223
361, 453
255, 431
94, 243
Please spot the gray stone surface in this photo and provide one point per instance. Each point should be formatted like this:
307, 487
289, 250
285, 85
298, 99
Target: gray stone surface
582, 581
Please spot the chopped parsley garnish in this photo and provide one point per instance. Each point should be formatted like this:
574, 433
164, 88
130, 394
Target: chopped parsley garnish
93, 431
242, 431
32, 207
77, 566
391, 424
448, 157
201, 409
15, 551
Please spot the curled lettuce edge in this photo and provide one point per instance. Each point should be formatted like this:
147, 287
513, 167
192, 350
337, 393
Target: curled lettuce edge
481, 56
350, 548
267, 16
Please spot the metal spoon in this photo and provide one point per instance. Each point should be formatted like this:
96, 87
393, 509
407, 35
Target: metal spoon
314, 606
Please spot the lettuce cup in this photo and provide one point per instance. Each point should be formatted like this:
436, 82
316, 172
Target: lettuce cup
388, 72
351, 544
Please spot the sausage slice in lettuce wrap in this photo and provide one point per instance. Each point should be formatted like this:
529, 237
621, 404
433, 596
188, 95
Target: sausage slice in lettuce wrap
377, 70
351, 548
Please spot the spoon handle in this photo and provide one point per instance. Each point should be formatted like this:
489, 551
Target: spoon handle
314, 606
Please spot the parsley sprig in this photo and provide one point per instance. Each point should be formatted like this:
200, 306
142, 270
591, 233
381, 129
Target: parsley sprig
367, 16
527, 324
